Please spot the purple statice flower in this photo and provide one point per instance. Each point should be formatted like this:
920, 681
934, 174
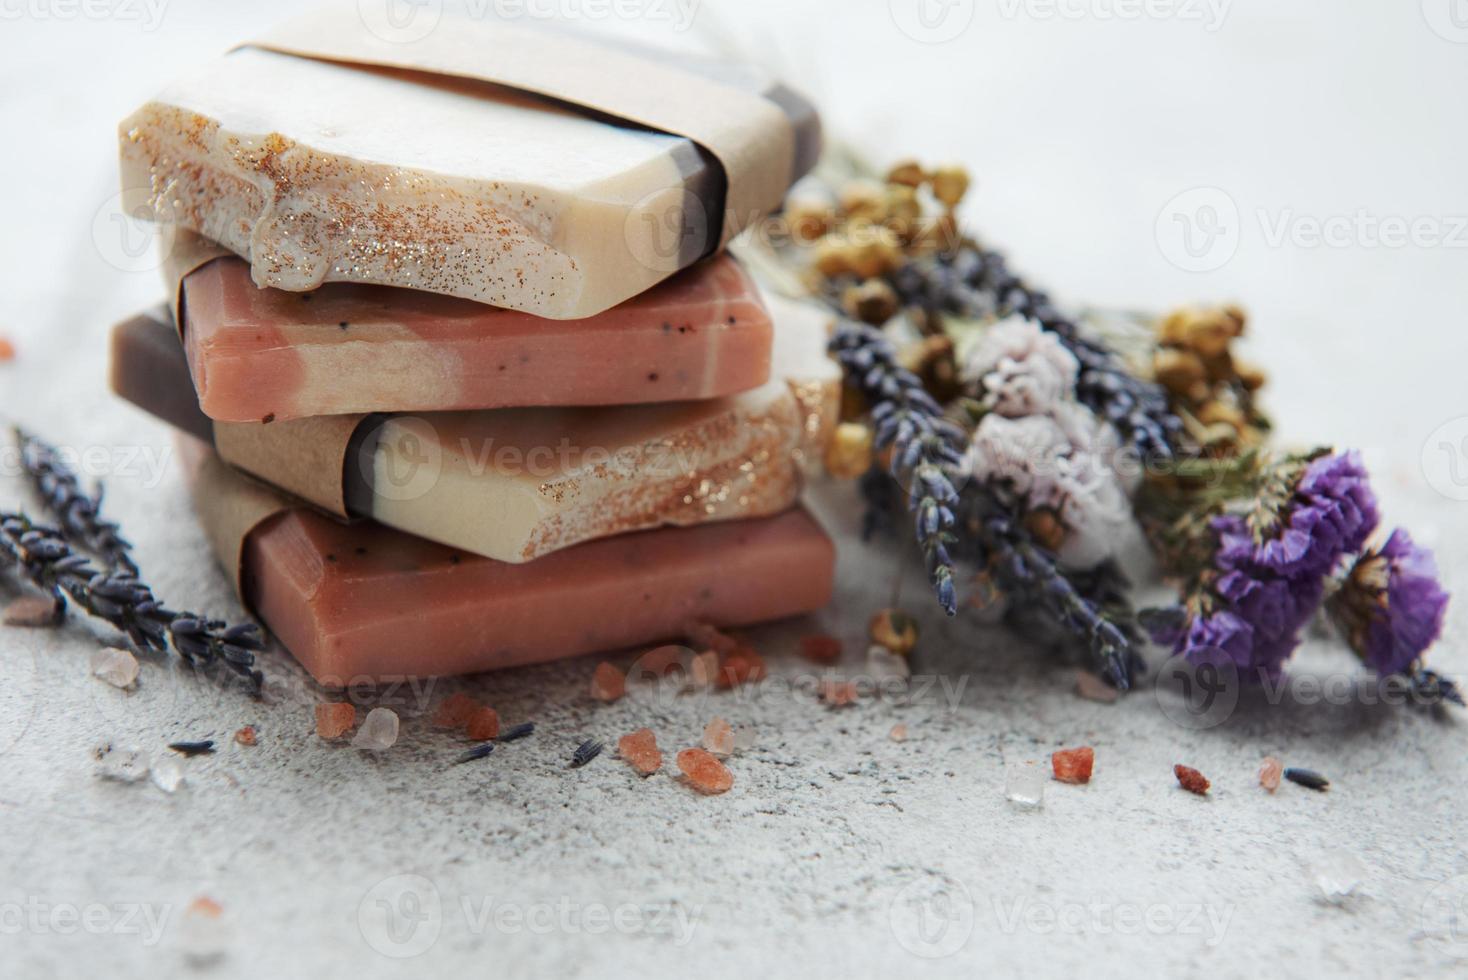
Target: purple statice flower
1265, 592
1391, 605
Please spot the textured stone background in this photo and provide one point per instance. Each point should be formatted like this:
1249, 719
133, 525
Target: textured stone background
838, 850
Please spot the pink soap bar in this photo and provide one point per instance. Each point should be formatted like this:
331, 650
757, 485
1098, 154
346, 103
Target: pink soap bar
363, 601
265, 354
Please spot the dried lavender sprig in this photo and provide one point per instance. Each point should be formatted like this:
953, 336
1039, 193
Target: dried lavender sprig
924, 444
973, 281
1026, 572
45, 558
1430, 687
79, 514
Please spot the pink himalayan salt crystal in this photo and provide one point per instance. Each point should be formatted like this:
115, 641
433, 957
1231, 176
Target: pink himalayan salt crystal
640, 749
335, 720
1093, 688
483, 725
704, 670
710, 637
839, 694
718, 737
704, 773
820, 648
1269, 772
33, 611
1073, 765
455, 711
607, 683
246, 735
898, 733
116, 666
743, 666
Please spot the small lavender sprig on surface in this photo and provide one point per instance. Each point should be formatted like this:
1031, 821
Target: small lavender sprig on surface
44, 557
924, 444
972, 281
1027, 573
79, 514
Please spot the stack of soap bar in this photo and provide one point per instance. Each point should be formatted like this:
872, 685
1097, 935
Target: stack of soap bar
265, 353
361, 601
516, 484
458, 306
322, 172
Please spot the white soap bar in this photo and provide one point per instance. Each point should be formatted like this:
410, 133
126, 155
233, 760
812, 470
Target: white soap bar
515, 484
317, 172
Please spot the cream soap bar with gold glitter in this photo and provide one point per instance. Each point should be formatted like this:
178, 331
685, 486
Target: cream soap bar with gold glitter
516, 484
321, 172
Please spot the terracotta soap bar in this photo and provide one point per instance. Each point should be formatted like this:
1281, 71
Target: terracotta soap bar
361, 601
319, 170
516, 484
344, 348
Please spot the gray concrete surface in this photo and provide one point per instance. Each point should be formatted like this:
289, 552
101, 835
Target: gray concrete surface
839, 851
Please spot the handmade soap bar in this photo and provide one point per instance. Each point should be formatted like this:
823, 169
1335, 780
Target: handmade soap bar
515, 484
346, 347
361, 601
317, 171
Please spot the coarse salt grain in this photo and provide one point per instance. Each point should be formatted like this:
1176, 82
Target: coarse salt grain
640, 749
607, 683
1093, 688
484, 725
1269, 772
33, 612
704, 773
1191, 780
455, 711
1073, 765
898, 733
116, 666
820, 648
718, 737
335, 719
704, 670
379, 730
246, 735
839, 694
743, 666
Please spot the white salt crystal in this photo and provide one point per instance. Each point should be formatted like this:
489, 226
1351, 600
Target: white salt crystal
116, 666
378, 732
1337, 876
167, 773
884, 665
125, 764
1024, 784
